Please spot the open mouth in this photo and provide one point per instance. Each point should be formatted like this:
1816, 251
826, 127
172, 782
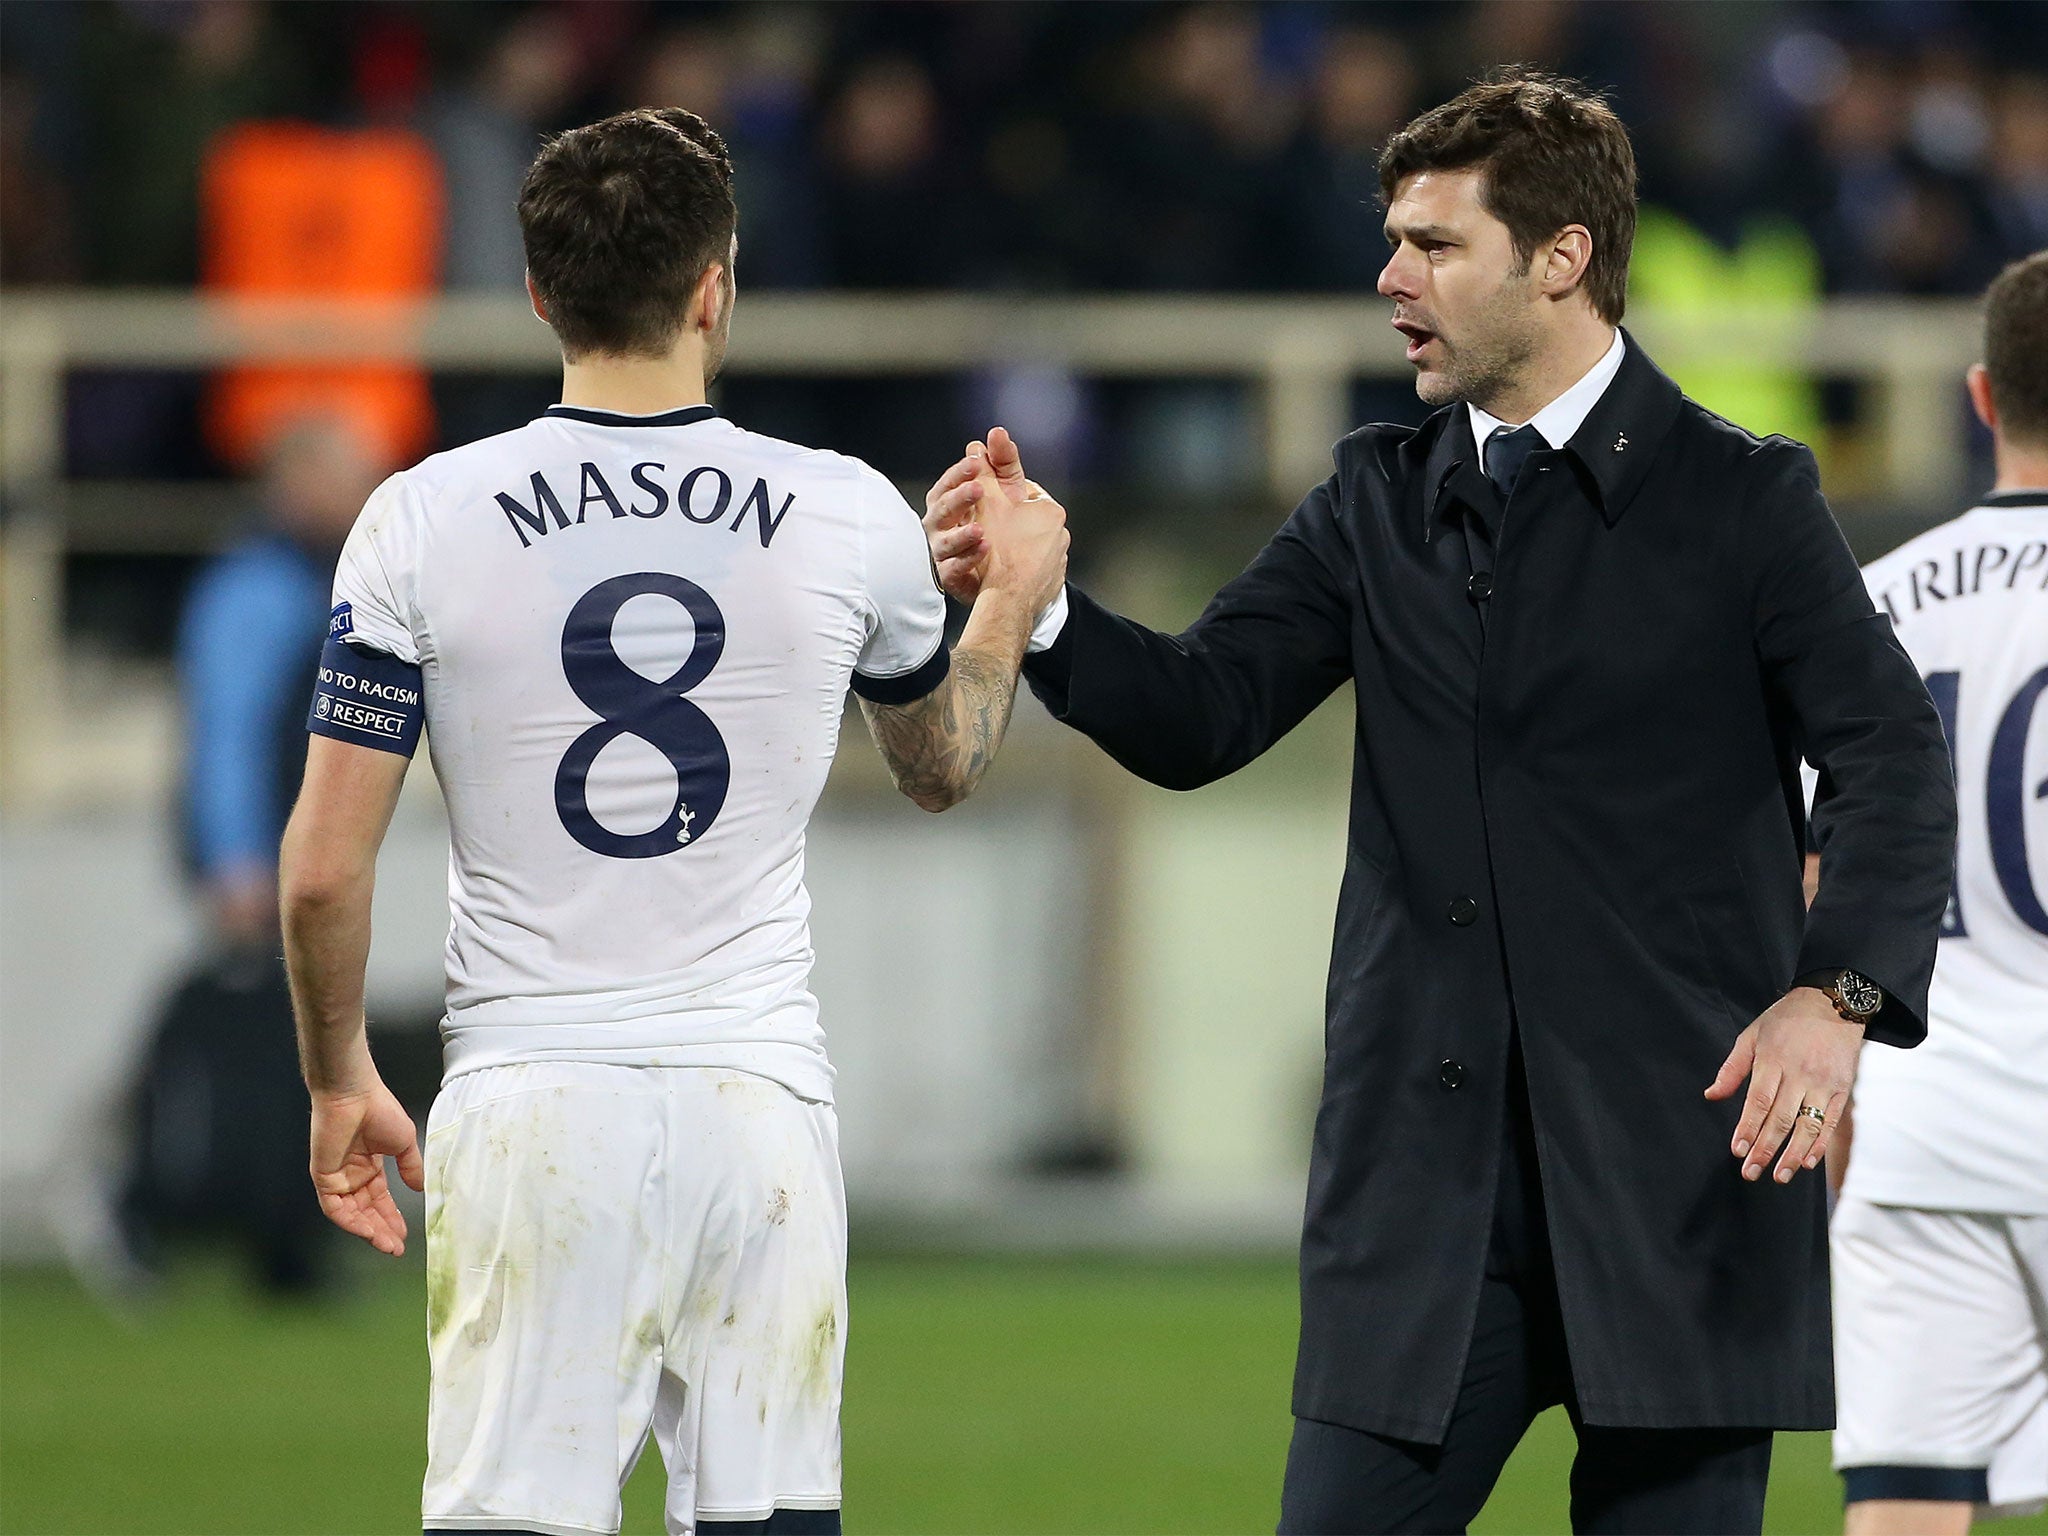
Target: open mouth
1418, 337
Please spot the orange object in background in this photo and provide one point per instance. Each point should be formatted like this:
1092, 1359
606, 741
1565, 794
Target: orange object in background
291, 210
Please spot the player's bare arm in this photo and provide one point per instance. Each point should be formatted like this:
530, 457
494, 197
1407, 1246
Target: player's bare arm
939, 746
326, 873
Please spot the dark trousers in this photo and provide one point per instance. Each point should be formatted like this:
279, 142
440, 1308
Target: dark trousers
1645, 1482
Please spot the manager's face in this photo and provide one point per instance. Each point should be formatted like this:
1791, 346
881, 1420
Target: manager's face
1468, 308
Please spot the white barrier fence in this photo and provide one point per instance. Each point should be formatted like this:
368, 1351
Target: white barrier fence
1301, 355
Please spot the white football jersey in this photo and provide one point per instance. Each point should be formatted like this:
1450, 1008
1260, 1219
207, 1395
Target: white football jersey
1961, 1122
634, 638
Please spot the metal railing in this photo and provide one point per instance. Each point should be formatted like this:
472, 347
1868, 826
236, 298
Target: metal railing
1300, 355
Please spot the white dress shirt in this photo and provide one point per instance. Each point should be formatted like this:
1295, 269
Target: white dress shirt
1558, 420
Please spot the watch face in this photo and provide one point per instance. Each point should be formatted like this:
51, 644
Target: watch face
1863, 995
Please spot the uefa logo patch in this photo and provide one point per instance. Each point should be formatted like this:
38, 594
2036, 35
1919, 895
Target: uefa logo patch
323, 706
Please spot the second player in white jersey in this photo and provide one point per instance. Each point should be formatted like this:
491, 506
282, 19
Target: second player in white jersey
636, 636
1940, 1240
1939, 1243
1961, 1123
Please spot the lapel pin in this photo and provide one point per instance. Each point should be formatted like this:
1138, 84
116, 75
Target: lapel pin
1620, 441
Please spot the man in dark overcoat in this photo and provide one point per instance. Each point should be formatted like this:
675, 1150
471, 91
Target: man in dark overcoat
1592, 630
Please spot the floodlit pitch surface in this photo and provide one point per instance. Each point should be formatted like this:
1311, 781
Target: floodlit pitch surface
982, 1396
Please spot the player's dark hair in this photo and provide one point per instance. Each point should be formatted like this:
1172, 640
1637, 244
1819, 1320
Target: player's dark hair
2016, 348
620, 220
1550, 153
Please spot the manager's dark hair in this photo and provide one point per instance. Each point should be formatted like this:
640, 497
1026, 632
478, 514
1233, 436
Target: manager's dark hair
2016, 348
620, 220
1550, 152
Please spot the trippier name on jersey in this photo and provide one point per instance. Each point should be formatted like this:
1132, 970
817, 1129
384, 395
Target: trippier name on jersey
1966, 572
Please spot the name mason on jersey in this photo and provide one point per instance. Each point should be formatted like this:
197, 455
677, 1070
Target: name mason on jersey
1964, 573
704, 495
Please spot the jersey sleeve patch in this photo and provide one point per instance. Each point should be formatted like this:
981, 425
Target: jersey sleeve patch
906, 687
367, 698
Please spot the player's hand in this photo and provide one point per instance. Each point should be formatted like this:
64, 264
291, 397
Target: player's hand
959, 548
1800, 1051
958, 540
352, 1135
989, 526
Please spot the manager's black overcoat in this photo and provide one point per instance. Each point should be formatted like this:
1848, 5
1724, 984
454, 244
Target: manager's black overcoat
1582, 814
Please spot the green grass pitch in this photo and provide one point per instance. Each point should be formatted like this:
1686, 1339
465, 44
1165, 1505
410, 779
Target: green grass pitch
983, 1395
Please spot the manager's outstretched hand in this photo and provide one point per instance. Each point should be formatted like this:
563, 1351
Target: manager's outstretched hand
1800, 1052
953, 522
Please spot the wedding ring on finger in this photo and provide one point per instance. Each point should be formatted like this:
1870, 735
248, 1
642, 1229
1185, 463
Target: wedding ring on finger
1817, 1116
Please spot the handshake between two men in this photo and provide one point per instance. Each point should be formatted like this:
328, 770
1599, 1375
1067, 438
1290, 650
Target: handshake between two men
981, 515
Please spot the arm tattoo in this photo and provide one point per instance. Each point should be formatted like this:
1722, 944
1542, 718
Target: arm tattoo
938, 747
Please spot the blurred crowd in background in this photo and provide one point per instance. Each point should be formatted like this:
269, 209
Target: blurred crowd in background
1043, 144
1790, 152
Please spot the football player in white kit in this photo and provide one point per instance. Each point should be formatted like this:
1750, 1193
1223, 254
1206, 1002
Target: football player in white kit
627, 629
1940, 1239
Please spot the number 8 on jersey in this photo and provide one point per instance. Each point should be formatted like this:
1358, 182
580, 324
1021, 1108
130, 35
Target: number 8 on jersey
627, 703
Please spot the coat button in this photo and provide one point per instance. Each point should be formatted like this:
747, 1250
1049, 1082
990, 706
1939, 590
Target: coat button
1480, 587
1464, 912
1451, 1074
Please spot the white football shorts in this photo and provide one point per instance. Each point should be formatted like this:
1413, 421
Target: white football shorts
615, 1251
1941, 1355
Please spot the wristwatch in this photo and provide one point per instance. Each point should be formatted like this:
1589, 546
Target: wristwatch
1856, 997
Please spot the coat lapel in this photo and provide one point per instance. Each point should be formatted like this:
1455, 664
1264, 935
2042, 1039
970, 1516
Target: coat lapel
1451, 475
1619, 439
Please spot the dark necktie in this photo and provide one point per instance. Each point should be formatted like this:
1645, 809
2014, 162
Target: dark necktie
1507, 450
